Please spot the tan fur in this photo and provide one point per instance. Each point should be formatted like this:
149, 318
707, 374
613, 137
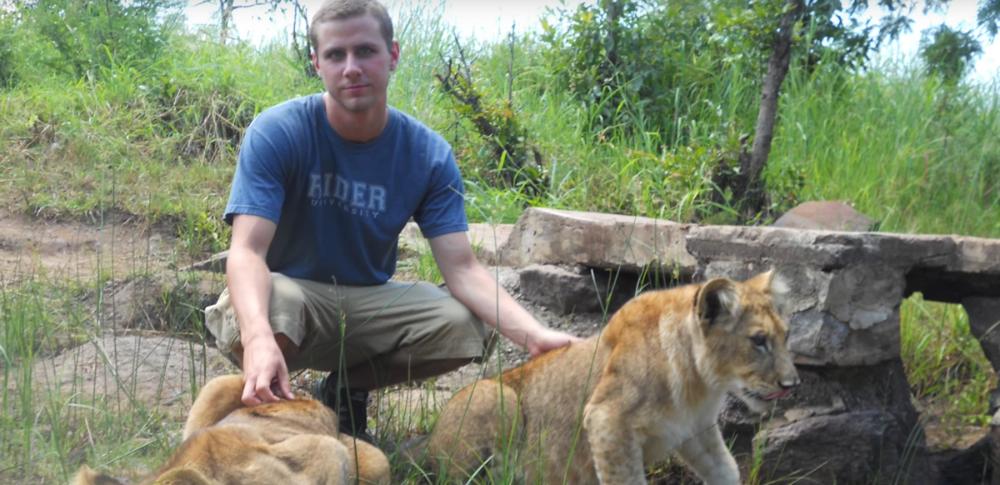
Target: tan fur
652, 383
287, 442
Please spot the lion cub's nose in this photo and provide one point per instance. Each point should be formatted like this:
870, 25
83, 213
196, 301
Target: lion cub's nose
790, 383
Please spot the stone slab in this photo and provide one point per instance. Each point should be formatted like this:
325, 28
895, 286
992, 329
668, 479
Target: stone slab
550, 236
941, 267
486, 239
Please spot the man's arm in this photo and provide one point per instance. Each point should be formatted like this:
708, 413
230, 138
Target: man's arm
249, 281
470, 283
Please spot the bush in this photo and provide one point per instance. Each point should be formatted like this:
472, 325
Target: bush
8, 76
85, 36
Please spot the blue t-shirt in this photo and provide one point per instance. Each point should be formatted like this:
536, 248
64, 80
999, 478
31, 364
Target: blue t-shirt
339, 206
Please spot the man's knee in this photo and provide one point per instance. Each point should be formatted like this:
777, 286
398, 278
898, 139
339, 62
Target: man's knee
285, 344
455, 313
287, 297
287, 305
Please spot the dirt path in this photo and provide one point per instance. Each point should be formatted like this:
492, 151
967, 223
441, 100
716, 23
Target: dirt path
58, 250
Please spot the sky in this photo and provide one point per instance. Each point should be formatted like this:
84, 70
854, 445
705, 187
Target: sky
483, 19
493, 19
961, 14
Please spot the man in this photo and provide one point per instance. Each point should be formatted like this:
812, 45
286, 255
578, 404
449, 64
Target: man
323, 187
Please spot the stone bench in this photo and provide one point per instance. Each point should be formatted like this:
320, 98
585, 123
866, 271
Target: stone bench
852, 421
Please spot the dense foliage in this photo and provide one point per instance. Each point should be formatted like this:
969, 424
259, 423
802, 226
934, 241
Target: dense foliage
627, 106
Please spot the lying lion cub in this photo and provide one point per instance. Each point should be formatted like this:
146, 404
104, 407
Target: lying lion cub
284, 443
652, 383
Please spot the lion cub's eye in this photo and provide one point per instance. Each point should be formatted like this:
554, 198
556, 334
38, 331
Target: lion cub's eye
759, 340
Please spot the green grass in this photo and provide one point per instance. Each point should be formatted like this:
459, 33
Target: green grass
899, 147
60, 409
157, 144
944, 363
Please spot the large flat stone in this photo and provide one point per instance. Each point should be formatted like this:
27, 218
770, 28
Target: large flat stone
826, 249
549, 236
941, 267
486, 239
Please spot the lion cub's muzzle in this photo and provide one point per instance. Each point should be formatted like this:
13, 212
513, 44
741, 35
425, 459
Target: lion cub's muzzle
786, 384
759, 399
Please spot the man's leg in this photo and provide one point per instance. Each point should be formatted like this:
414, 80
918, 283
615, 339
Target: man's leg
367, 337
393, 333
370, 377
286, 310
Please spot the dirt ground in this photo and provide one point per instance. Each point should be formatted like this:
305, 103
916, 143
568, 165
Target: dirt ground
77, 251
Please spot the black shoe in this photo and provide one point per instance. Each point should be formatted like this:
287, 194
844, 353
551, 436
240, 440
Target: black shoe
351, 406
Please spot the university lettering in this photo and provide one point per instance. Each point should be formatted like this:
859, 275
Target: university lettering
354, 196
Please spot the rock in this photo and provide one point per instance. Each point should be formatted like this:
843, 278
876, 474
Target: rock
825, 215
855, 447
575, 290
486, 240
970, 465
548, 236
559, 290
152, 371
878, 395
943, 268
846, 316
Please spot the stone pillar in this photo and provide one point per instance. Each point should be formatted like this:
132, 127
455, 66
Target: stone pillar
994, 455
851, 420
984, 322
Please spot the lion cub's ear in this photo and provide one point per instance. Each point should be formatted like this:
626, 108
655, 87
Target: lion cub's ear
775, 286
717, 302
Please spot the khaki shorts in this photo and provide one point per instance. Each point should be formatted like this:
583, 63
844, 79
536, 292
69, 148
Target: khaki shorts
339, 327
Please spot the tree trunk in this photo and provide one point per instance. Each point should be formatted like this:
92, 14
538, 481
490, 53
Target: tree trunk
750, 193
613, 11
225, 18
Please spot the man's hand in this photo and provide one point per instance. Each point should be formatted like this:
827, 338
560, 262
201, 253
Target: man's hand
265, 374
472, 285
547, 339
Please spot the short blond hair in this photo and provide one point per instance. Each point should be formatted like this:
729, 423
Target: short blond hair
346, 9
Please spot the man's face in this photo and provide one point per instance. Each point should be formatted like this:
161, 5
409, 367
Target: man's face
352, 59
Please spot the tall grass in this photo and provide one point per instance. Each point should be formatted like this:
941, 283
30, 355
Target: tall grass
945, 365
61, 407
914, 154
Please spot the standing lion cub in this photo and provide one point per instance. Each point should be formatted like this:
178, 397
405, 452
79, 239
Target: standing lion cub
652, 383
282, 443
